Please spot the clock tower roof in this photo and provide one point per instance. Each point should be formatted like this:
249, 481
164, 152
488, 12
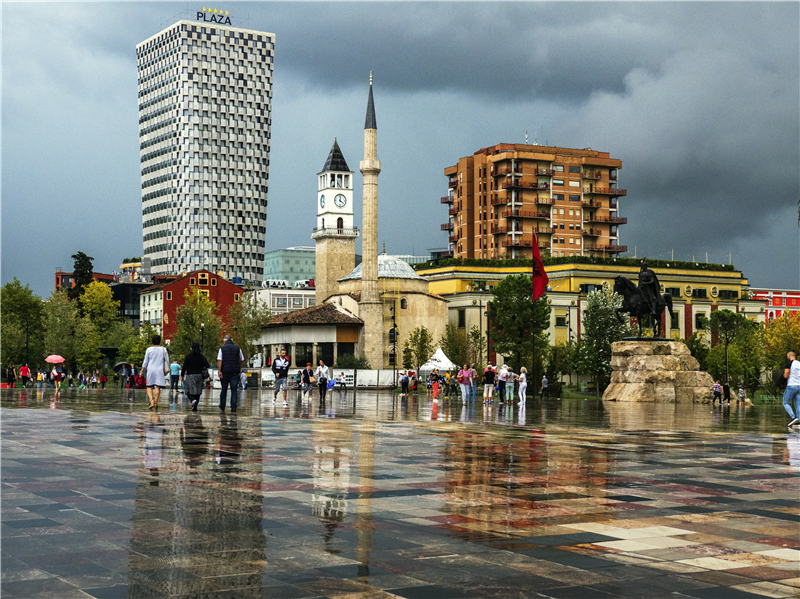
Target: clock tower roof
335, 161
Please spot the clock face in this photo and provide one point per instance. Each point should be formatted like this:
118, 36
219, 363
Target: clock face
340, 200
321, 201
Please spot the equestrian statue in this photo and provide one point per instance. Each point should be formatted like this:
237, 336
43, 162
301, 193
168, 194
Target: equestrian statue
646, 299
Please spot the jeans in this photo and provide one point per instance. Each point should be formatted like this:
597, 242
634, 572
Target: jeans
523, 390
229, 379
501, 389
174, 381
323, 388
474, 389
465, 391
792, 393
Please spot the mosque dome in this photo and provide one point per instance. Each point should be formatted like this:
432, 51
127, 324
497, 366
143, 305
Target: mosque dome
389, 267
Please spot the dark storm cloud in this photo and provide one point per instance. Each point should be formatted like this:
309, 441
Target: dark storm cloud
699, 100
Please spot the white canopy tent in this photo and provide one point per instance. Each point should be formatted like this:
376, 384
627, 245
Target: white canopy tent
438, 360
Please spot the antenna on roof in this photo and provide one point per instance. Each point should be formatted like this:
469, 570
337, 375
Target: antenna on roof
526, 137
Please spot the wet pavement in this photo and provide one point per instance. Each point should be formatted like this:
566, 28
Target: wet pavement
375, 495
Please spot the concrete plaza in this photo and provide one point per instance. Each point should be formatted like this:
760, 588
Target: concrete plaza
377, 495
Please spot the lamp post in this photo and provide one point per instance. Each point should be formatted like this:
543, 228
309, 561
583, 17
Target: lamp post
202, 337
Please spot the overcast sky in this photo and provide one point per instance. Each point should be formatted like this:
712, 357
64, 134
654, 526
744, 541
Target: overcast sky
700, 101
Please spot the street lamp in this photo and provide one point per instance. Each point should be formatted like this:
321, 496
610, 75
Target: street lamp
202, 337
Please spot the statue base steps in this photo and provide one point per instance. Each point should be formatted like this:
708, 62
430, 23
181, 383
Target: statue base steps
656, 371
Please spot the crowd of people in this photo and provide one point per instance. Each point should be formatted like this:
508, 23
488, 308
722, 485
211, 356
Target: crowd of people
503, 384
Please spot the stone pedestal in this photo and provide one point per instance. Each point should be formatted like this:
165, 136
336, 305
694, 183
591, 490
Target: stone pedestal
656, 371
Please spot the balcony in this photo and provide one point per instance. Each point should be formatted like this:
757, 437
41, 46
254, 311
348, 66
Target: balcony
591, 232
609, 191
499, 201
543, 230
543, 244
505, 170
447, 227
452, 239
544, 172
452, 183
591, 174
446, 254
592, 204
446, 199
606, 248
544, 201
517, 243
512, 184
614, 220
333, 231
526, 214
451, 211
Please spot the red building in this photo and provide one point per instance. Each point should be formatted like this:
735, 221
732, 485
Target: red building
159, 303
67, 280
777, 301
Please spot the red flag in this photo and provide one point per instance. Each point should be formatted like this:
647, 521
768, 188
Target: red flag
540, 278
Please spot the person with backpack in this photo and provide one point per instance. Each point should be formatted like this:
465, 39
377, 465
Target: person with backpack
792, 394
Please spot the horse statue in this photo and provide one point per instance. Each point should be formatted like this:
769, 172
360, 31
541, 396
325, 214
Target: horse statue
636, 304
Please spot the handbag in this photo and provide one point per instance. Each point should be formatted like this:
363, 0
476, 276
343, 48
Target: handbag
313, 380
167, 371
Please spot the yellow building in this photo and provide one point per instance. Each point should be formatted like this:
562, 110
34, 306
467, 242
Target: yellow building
696, 289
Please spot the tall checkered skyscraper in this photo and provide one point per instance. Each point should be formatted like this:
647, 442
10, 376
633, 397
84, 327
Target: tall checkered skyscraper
205, 90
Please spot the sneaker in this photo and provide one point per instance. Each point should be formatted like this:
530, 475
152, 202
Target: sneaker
794, 422
285, 404
194, 405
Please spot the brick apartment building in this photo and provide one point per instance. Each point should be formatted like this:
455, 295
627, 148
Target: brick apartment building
506, 197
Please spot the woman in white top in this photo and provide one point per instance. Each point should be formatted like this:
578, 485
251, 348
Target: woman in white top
523, 383
155, 360
322, 379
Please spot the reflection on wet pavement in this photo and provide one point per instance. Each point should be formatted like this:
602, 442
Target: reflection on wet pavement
376, 495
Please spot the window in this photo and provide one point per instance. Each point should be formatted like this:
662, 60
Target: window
562, 211
562, 240
561, 225
297, 301
204, 292
203, 279
575, 169
700, 293
574, 183
561, 321
574, 198
699, 321
213, 282
558, 168
462, 318
235, 296
403, 303
169, 295
280, 302
673, 291
673, 322
558, 182
559, 197
572, 240
191, 280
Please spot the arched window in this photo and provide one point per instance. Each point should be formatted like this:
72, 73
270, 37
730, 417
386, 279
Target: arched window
403, 303
340, 223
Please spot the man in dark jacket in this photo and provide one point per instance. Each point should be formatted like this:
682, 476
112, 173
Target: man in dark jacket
229, 365
280, 366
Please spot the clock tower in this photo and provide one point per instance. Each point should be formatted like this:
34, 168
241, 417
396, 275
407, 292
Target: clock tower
335, 235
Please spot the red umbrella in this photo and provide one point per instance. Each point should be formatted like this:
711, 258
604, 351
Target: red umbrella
54, 359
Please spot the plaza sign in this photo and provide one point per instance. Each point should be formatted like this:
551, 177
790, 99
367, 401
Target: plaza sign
209, 15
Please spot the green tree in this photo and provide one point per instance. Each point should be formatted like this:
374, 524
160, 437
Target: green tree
97, 303
780, 336
517, 321
246, 319
601, 328
197, 310
420, 344
698, 348
560, 360
408, 355
133, 348
82, 271
117, 334
60, 325
750, 347
87, 344
725, 326
350, 361
476, 348
454, 345
21, 330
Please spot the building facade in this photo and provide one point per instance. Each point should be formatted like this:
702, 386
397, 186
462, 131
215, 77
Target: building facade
281, 301
159, 303
777, 302
290, 264
507, 197
205, 94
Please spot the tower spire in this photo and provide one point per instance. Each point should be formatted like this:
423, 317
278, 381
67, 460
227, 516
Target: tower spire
370, 123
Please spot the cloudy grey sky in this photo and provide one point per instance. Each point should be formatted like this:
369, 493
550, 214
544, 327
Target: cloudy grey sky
700, 101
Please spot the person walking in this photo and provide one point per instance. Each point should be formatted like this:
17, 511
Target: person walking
11, 374
280, 366
523, 384
174, 375
488, 384
473, 381
792, 394
56, 376
307, 381
156, 364
342, 383
544, 391
322, 380
717, 389
24, 374
194, 372
726, 393
465, 382
501, 382
243, 380
404, 384
103, 380
229, 365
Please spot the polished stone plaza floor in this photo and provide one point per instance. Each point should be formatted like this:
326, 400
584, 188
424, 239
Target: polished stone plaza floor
375, 495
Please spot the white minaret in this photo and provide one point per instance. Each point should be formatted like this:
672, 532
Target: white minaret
370, 309
335, 235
